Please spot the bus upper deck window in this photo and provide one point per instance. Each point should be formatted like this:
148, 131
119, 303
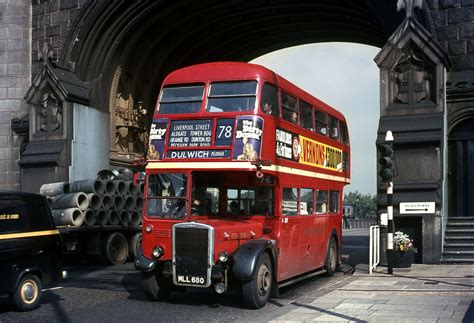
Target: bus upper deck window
232, 96
344, 133
321, 123
181, 99
306, 115
289, 107
269, 101
333, 128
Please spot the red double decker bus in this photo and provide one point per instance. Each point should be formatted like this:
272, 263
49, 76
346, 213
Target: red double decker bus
244, 181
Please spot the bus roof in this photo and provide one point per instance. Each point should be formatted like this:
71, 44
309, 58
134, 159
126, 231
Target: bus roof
223, 71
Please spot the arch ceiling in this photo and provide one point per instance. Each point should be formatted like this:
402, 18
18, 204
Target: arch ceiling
148, 39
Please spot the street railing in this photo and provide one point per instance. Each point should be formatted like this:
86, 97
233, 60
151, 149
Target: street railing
349, 223
374, 247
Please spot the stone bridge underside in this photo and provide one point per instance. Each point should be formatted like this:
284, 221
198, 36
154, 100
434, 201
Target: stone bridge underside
148, 39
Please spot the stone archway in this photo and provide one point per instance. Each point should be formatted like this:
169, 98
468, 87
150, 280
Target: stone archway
124, 50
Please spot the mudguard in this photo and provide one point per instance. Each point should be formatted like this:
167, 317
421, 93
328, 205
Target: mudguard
144, 264
246, 257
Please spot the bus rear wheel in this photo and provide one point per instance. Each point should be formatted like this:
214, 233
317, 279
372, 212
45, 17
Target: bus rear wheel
155, 289
331, 258
255, 292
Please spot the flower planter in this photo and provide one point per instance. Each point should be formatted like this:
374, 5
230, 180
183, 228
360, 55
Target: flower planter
403, 259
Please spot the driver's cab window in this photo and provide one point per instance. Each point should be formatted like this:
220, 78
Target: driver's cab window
205, 200
166, 195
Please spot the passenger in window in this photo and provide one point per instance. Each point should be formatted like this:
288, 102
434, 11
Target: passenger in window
267, 108
294, 117
234, 209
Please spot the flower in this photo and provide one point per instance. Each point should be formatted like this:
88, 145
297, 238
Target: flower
402, 242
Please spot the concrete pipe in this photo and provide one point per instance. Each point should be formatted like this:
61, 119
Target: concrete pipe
70, 216
88, 186
90, 217
53, 189
110, 187
102, 217
139, 203
95, 201
114, 217
107, 202
129, 202
73, 200
119, 202
135, 218
132, 188
124, 218
120, 187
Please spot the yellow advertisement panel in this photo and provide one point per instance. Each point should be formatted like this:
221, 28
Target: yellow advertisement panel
320, 155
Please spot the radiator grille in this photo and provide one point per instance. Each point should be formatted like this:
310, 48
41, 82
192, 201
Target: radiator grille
192, 255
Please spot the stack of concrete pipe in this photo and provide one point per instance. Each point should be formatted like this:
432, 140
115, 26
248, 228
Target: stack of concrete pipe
95, 202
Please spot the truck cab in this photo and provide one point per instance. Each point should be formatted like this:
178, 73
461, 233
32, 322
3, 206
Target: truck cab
30, 248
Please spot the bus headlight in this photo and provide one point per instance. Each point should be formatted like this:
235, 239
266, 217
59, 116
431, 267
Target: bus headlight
157, 252
223, 256
148, 228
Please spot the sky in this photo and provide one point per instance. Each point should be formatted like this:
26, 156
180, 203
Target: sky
345, 76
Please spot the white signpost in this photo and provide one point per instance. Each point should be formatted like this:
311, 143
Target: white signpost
417, 207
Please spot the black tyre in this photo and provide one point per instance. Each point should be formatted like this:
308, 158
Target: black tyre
115, 249
134, 244
27, 294
332, 256
155, 289
255, 292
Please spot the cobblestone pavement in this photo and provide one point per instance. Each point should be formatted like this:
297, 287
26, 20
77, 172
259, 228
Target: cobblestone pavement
423, 293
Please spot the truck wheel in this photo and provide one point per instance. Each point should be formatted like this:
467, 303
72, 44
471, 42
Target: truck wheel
154, 288
134, 244
331, 258
115, 249
28, 292
256, 291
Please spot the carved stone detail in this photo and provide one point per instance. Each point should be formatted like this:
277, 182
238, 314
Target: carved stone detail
49, 111
412, 76
128, 118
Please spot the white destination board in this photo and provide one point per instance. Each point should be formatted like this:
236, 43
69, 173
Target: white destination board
417, 207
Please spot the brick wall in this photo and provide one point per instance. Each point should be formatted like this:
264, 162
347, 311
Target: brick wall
15, 76
51, 22
453, 20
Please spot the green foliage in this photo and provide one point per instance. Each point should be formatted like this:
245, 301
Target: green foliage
365, 205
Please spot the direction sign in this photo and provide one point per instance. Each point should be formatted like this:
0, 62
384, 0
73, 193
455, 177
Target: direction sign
417, 207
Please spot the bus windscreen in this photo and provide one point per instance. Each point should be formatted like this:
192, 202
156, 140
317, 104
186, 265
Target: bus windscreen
232, 96
183, 99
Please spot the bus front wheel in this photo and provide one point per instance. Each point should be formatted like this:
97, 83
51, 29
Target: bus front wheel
255, 292
155, 289
331, 258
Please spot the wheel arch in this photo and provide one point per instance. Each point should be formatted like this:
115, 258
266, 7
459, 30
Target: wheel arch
246, 258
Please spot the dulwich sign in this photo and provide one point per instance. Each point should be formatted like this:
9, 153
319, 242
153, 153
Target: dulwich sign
417, 207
